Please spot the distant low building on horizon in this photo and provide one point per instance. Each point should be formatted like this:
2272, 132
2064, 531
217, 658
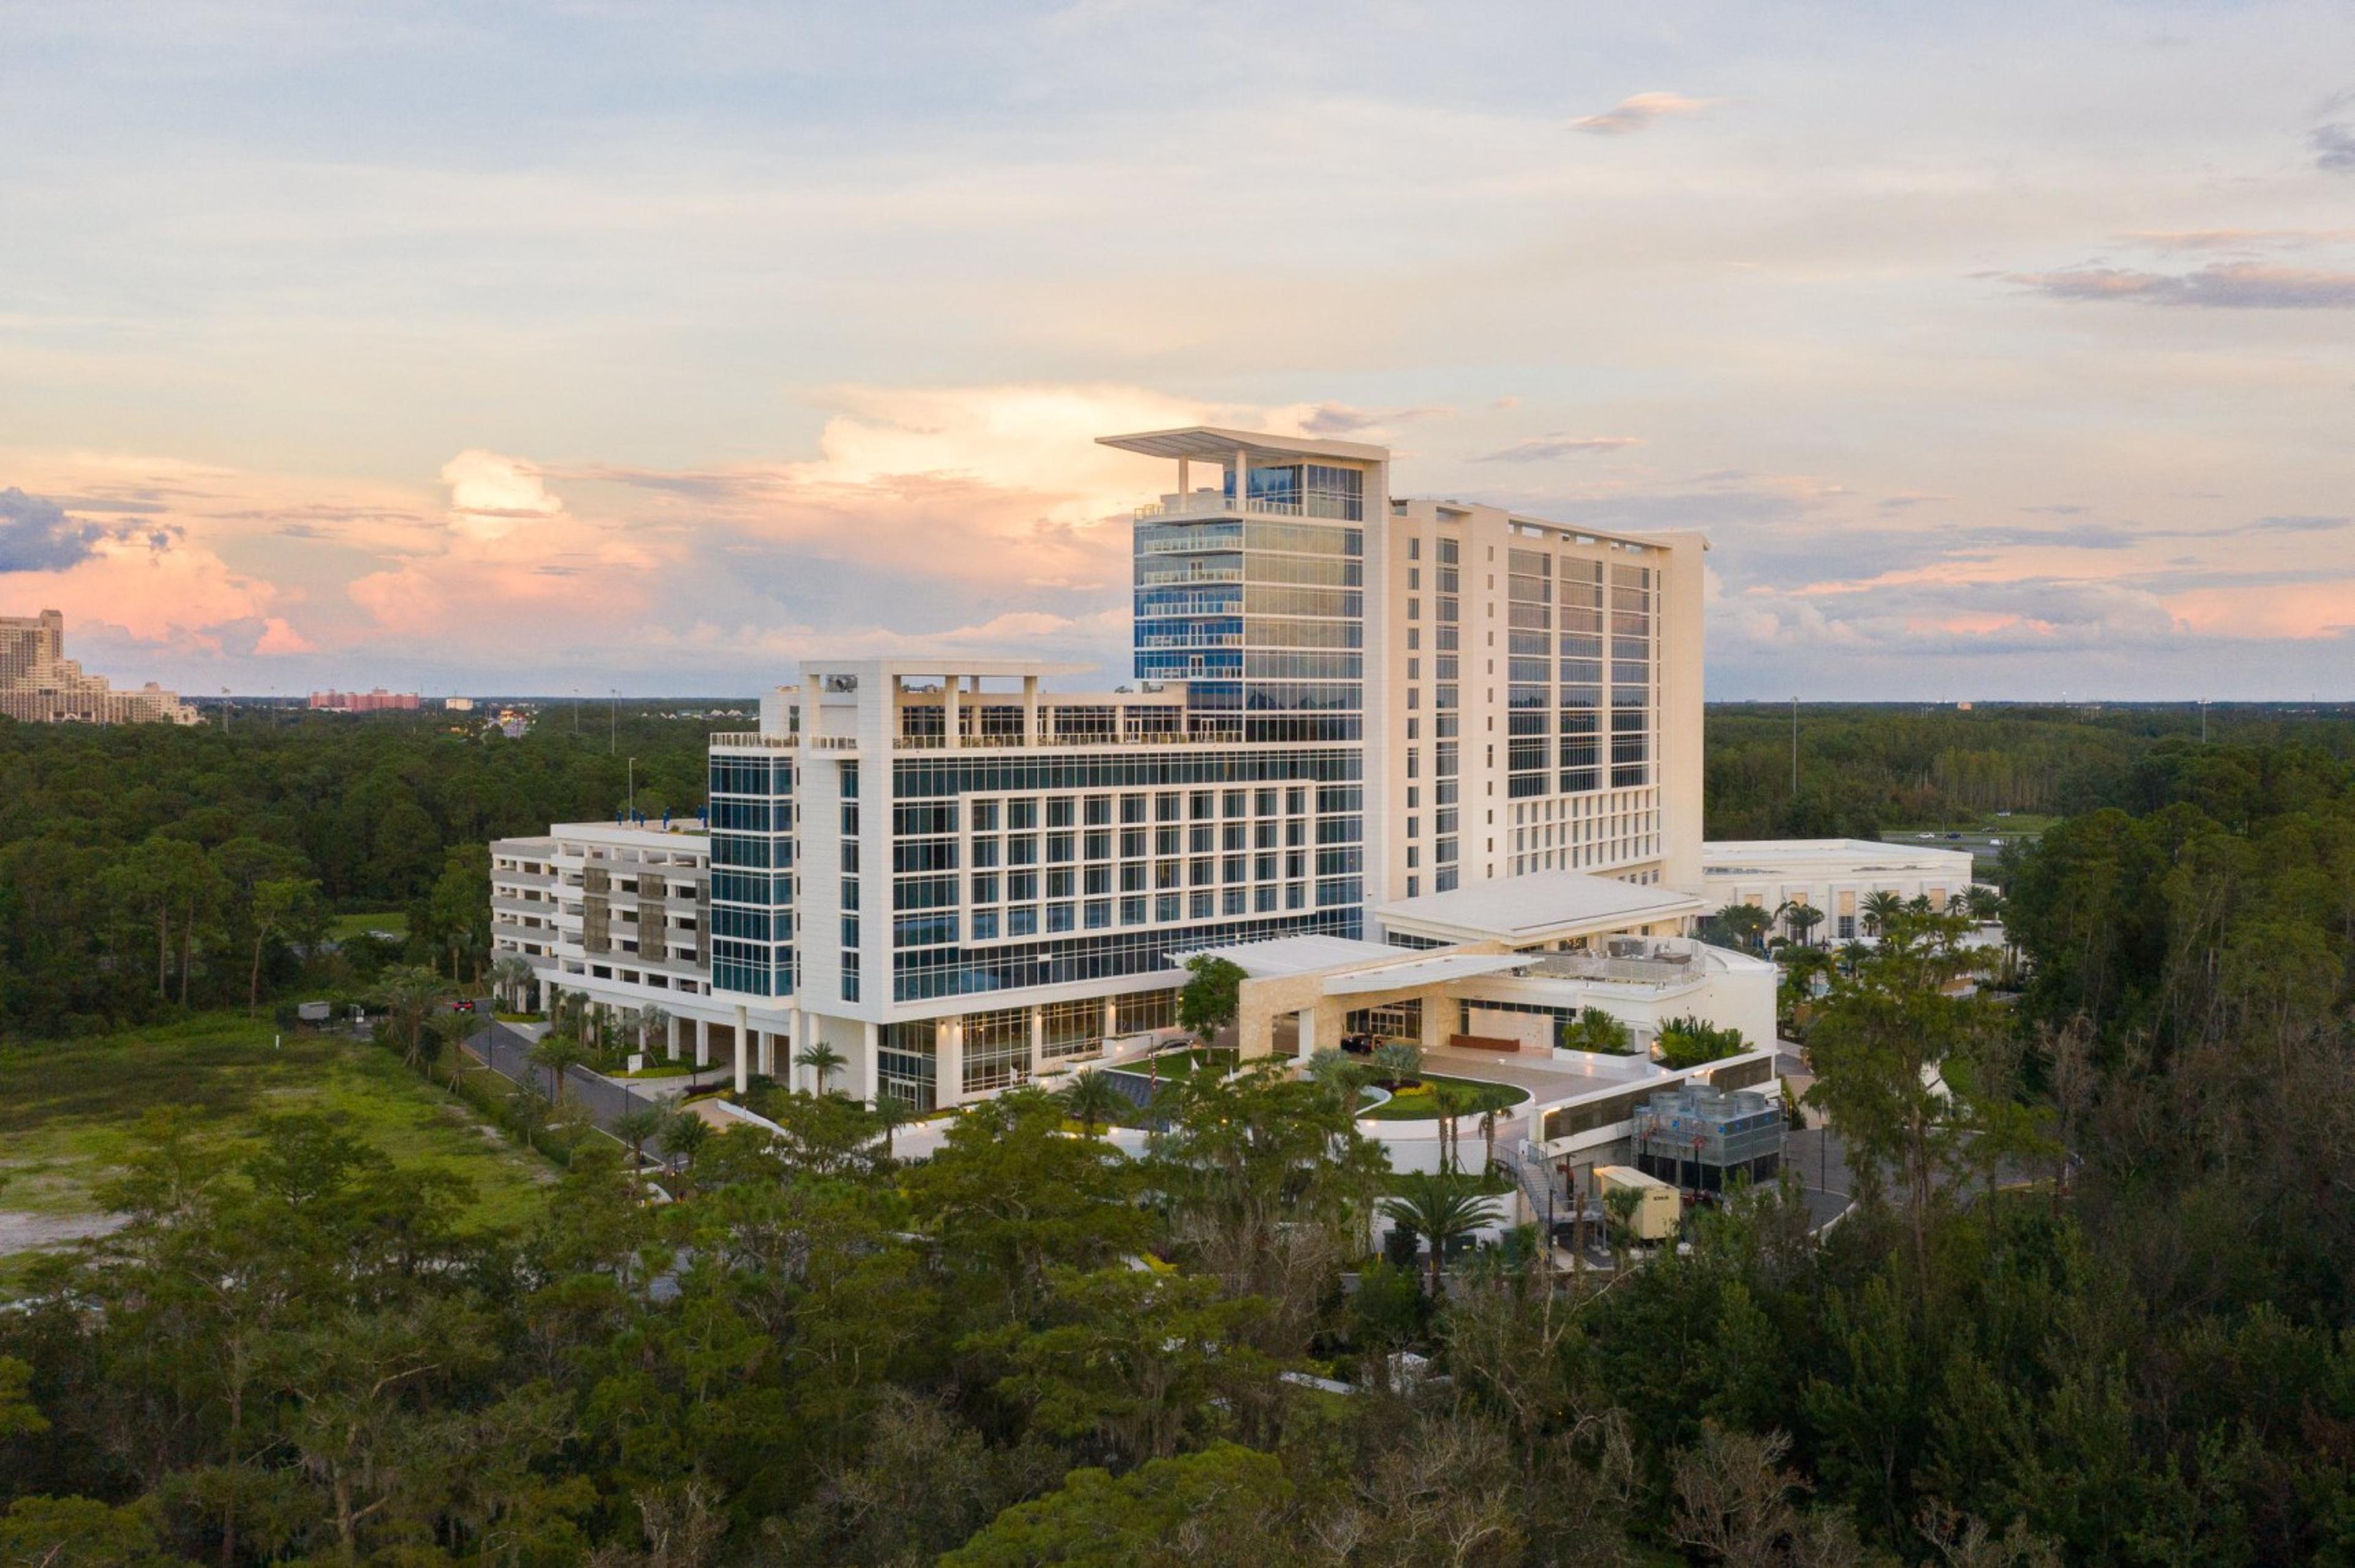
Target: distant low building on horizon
380, 700
38, 685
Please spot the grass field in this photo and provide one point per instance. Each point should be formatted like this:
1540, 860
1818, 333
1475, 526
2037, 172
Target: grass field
1420, 1105
67, 1113
1183, 1063
394, 923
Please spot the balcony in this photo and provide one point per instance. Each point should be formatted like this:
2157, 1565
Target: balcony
1170, 578
755, 738
1194, 640
1215, 503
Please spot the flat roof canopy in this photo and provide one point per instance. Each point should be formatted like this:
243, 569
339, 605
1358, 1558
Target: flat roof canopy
1543, 906
1419, 972
1210, 443
1292, 955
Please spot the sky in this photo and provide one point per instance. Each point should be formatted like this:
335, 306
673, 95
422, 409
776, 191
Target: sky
2001, 350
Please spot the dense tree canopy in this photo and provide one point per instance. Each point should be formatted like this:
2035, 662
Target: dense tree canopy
147, 865
2096, 1301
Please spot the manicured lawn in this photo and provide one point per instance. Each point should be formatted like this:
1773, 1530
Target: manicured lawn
393, 922
1420, 1105
67, 1113
668, 1070
1182, 1063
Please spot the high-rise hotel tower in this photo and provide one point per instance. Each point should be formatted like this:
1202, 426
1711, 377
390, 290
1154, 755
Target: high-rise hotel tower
1346, 706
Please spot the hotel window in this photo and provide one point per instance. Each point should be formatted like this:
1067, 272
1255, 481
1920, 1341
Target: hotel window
996, 1048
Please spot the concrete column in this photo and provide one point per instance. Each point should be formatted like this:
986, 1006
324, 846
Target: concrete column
1436, 1027
949, 706
702, 1042
670, 1039
1111, 1017
1243, 479
948, 1051
866, 1085
1308, 1044
1030, 707
743, 1028
1038, 1039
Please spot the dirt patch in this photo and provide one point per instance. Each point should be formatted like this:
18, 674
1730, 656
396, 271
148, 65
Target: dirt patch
23, 1233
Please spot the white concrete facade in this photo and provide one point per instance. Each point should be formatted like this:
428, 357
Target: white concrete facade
1835, 876
620, 913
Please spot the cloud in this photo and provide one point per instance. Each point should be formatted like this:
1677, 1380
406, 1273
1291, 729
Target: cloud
2300, 525
36, 534
1340, 418
2334, 148
2238, 238
2299, 611
1632, 115
1542, 449
278, 637
490, 494
1911, 499
2240, 285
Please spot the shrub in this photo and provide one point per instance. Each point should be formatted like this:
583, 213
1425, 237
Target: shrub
1687, 1043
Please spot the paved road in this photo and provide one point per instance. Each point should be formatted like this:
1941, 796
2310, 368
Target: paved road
508, 1051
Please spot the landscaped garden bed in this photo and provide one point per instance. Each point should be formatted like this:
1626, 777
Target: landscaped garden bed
1418, 1102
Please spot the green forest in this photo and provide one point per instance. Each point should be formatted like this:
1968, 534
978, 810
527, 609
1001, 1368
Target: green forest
146, 869
2094, 1303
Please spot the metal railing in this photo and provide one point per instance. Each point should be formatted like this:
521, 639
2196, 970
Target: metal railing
1666, 961
1200, 640
759, 738
1190, 575
1017, 742
1216, 505
1208, 539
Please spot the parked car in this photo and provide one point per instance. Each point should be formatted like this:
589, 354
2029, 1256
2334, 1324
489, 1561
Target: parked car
463, 1005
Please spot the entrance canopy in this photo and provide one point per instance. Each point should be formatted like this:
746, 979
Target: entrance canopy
1537, 908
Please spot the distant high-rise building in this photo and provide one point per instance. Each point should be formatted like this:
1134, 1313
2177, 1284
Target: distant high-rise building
377, 702
38, 685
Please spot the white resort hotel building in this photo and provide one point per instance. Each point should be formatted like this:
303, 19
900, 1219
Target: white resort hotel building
1425, 769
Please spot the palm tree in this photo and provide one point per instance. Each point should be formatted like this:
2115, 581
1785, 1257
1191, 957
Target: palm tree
510, 976
1801, 920
409, 994
1400, 1061
1451, 1101
891, 1114
1341, 1072
1090, 1100
1620, 1204
682, 1138
1440, 1209
454, 1030
655, 1024
823, 1060
560, 1054
637, 1128
1881, 908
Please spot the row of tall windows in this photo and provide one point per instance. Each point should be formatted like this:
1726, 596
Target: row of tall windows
1263, 619
751, 821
